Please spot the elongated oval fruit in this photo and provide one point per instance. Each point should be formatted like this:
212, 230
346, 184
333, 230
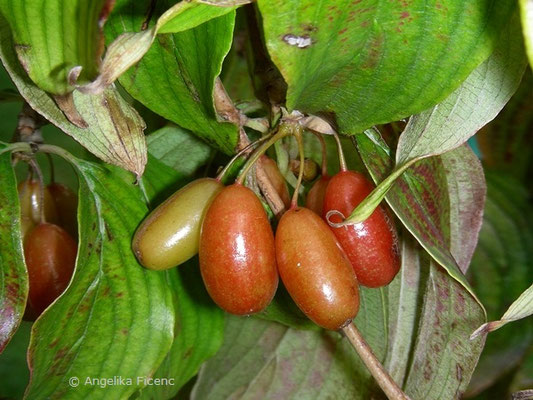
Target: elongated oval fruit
31, 202
277, 180
315, 270
237, 255
372, 245
50, 255
66, 202
315, 198
169, 236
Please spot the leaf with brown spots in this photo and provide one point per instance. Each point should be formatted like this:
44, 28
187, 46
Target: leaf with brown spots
374, 61
13, 275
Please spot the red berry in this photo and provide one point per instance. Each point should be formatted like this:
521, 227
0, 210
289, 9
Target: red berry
50, 255
237, 255
315, 270
315, 198
371, 246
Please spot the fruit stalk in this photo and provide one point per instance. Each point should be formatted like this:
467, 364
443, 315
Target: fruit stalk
382, 377
342, 160
294, 201
284, 130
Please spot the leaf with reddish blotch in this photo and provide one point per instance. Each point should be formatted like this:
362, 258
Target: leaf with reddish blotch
113, 129
13, 275
431, 198
430, 316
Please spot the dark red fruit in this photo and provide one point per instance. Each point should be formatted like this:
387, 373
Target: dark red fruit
371, 246
50, 255
274, 175
66, 203
237, 255
315, 270
315, 198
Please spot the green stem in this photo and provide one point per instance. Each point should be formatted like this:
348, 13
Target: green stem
220, 176
299, 139
342, 160
371, 202
284, 130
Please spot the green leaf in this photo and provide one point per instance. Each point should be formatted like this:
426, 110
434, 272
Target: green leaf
282, 309
130, 47
176, 77
526, 13
521, 308
198, 332
500, 272
374, 62
432, 198
115, 318
505, 143
471, 106
13, 366
106, 125
52, 37
178, 149
13, 275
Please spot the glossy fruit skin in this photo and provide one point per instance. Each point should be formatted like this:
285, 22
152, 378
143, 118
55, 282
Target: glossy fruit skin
315, 198
315, 270
237, 254
29, 193
66, 202
272, 171
50, 255
372, 245
170, 235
